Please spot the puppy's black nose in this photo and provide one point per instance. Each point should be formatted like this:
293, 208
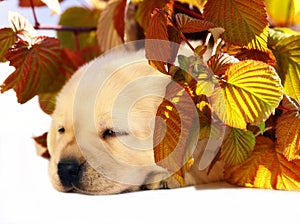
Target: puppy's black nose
68, 172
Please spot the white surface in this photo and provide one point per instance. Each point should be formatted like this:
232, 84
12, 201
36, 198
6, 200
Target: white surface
26, 195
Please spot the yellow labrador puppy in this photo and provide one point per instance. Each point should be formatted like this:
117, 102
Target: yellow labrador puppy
101, 137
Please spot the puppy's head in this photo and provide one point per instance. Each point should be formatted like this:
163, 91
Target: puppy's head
100, 140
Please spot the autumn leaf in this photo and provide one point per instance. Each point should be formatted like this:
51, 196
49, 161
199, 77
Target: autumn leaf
41, 145
72, 61
248, 93
159, 50
287, 55
7, 38
283, 13
189, 24
21, 26
27, 3
197, 3
265, 168
246, 54
36, 66
245, 22
78, 17
146, 8
176, 132
219, 63
288, 129
52, 4
237, 146
200, 79
110, 28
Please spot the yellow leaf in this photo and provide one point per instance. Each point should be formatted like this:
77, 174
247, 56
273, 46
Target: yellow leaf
286, 52
288, 129
249, 92
265, 168
284, 13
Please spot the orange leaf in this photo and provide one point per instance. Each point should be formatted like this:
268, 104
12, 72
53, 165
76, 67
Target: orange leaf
219, 63
188, 24
176, 131
266, 168
146, 8
36, 66
245, 54
157, 46
7, 38
288, 129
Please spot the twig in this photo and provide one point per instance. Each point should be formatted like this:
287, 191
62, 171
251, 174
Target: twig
188, 11
65, 28
36, 22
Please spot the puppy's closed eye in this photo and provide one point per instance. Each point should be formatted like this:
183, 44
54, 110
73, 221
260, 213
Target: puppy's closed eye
61, 130
108, 133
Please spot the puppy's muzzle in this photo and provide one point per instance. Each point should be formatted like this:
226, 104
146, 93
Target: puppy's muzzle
69, 172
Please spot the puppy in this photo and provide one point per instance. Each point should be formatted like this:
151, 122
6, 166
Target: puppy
101, 136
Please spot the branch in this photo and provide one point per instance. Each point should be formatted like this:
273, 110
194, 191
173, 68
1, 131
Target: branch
36, 22
65, 28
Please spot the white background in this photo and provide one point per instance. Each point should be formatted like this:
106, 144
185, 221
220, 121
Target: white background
26, 195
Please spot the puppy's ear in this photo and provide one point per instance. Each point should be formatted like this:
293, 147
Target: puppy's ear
41, 145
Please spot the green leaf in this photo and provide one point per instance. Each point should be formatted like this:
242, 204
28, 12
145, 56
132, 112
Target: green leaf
249, 92
37, 66
7, 38
245, 22
78, 17
287, 54
237, 146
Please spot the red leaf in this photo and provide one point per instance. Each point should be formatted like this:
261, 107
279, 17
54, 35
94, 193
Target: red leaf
27, 3
37, 66
120, 23
72, 61
41, 145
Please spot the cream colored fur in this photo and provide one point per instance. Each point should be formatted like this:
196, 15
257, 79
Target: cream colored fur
119, 92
